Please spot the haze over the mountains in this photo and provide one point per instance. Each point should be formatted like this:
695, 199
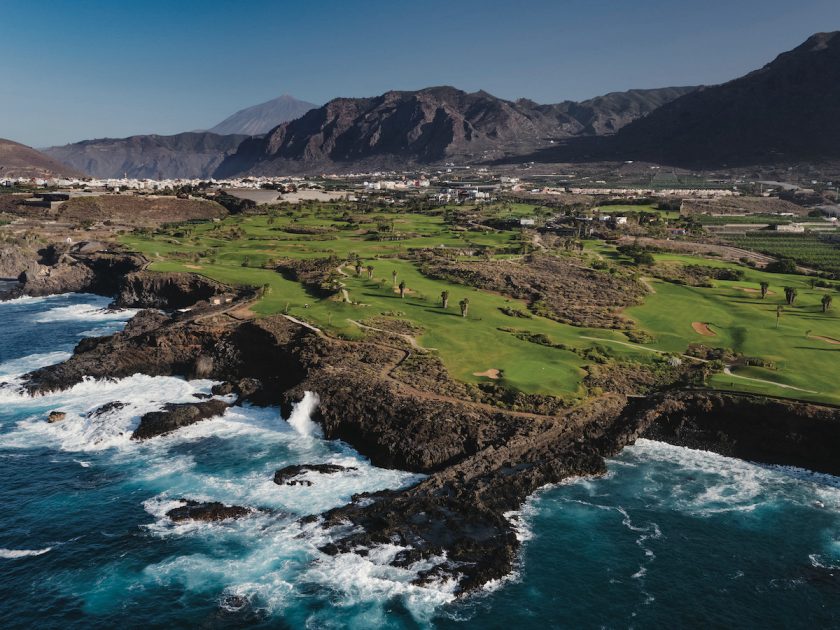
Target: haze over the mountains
184, 155
786, 111
262, 118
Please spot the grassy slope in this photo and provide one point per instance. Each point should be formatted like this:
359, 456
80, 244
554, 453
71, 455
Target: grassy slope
742, 321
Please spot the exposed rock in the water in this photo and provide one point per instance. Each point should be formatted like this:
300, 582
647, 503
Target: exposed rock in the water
224, 389
206, 511
455, 518
176, 415
63, 269
157, 344
147, 289
56, 416
756, 428
107, 408
288, 475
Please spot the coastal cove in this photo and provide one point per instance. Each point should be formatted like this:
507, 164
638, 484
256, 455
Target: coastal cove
656, 505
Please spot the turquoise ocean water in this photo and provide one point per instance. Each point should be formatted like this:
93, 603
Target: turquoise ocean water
670, 537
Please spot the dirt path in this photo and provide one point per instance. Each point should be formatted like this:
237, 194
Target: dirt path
314, 329
728, 372
411, 340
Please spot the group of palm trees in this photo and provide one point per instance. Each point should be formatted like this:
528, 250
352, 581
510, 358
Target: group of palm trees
790, 297
402, 286
464, 304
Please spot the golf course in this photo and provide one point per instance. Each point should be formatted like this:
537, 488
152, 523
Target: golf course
790, 351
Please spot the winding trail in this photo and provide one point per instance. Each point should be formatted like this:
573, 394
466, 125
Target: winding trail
412, 341
729, 372
726, 370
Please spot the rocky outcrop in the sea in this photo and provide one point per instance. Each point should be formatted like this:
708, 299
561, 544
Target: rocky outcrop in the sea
257, 355
147, 289
755, 428
288, 475
80, 268
206, 511
177, 415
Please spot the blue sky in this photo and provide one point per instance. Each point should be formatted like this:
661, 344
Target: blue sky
77, 69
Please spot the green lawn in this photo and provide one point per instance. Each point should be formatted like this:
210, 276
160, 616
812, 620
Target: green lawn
740, 319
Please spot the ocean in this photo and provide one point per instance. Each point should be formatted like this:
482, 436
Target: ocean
670, 536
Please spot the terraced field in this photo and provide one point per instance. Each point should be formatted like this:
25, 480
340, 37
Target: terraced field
811, 250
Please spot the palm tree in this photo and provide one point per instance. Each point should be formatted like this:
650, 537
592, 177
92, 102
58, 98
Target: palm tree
465, 306
790, 295
826, 302
402, 289
779, 310
394, 276
358, 267
370, 272
764, 287
444, 298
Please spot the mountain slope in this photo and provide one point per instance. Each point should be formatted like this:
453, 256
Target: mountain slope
787, 110
607, 114
427, 126
184, 155
19, 160
259, 119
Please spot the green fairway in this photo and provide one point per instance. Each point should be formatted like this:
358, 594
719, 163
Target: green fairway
235, 250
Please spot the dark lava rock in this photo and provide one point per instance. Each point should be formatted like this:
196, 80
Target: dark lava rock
110, 407
286, 476
56, 416
223, 389
147, 289
207, 511
174, 416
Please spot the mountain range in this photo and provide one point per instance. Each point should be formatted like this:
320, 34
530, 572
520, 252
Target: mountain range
187, 155
786, 111
194, 154
432, 125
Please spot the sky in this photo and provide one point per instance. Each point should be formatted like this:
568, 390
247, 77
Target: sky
79, 69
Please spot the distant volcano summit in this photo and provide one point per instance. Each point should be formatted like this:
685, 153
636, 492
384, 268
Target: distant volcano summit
262, 118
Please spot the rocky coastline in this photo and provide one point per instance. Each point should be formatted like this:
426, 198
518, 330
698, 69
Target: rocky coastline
481, 461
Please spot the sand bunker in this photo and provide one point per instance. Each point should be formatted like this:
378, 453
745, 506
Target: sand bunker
491, 373
831, 340
193, 266
703, 329
751, 290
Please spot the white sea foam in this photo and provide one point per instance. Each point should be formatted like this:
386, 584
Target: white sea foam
83, 431
726, 484
301, 417
84, 312
11, 554
29, 299
18, 367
